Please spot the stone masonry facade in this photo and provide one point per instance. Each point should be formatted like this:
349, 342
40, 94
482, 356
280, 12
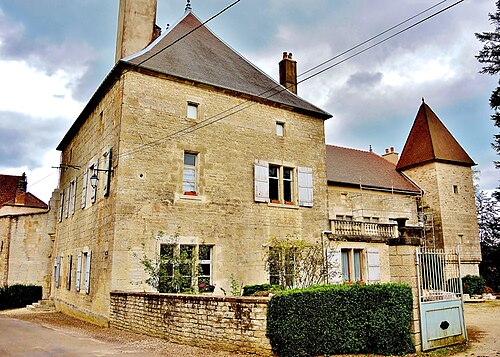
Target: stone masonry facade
227, 323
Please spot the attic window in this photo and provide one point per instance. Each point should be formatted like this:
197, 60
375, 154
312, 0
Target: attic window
192, 111
455, 189
280, 128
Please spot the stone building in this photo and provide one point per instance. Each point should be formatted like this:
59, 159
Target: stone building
179, 172
26, 235
188, 150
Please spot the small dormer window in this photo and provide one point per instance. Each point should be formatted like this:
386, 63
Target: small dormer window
280, 128
192, 111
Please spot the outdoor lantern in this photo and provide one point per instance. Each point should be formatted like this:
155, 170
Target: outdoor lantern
93, 179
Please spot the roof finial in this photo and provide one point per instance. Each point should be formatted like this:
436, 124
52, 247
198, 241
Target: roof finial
188, 5
371, 149
423, 101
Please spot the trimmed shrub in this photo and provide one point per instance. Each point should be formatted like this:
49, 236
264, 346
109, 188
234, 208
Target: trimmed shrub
474, 284
18, 295
249, 290
341, 319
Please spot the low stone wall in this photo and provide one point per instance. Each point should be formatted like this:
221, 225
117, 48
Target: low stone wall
220, 322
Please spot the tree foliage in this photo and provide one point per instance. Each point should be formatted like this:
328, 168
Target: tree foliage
489, 56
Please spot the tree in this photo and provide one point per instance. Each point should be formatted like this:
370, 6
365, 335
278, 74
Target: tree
490, 57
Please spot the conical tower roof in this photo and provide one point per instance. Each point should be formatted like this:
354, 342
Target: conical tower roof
430, 141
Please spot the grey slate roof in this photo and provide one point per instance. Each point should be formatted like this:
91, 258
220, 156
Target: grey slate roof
355, 167
203, 57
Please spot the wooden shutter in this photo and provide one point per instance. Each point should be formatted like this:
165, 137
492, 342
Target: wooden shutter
68, 281
261, 175
107, 175
58, 271
333, 265
61, 206
305, 186
84, 188
73, 197
66, 203
87, 273
78, 271
373, 258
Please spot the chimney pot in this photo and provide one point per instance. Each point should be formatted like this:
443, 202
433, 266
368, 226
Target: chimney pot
392, 148
285, 55
386, 151
290, 55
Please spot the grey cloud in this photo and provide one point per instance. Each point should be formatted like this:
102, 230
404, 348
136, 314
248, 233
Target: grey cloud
24, 139
364, 79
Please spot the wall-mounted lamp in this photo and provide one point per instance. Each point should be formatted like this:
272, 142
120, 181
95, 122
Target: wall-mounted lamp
94, 178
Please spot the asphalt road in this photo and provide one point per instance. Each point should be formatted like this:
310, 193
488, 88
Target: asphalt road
24, 338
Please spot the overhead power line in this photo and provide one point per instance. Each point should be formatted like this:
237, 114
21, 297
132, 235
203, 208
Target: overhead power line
240, 107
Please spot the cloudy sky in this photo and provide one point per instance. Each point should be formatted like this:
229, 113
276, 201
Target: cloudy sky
55, 53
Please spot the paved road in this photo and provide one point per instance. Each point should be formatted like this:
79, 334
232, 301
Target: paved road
24, 338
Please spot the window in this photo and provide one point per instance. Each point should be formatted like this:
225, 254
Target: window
68, 281
189, 175
285, 185
455, 189
61, 206
86, 264
73, 196
57, 271
352, 265
280, 129
78, 271
178, 266
281, 266
192, 111
66, 203
281, 184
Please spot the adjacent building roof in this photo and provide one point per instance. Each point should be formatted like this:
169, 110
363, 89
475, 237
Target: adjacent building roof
202, 57
12, 194
356, 167
430, 141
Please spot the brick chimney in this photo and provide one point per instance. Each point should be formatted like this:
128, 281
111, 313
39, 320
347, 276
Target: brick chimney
288, 72
22, 184
391, 156
136, 26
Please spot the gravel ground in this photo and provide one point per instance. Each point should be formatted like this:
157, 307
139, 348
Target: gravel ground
482, 319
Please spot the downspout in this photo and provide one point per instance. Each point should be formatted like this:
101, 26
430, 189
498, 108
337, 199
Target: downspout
7, 252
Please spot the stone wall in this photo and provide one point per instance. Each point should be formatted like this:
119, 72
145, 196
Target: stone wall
227, 323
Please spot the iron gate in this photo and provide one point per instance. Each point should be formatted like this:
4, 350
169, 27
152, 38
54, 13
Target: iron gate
440, 298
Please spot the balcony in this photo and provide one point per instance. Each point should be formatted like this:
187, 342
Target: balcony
363, 231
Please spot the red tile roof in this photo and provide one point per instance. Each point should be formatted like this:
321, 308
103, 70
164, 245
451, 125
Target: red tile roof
8, 190
430, 141
355, 167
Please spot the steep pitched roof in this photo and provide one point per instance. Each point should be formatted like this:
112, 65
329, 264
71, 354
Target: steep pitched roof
430, 141
203, 57
355, 167
28, 199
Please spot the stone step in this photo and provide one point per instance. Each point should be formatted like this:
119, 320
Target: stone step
42, 305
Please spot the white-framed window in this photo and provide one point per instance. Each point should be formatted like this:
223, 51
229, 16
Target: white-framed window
283, 184
86, 260
352, 265
57, 271
78, 271
67, 201
281, 266
189, 184
61, 206
192, 110
68, 278
186, 267
280, 128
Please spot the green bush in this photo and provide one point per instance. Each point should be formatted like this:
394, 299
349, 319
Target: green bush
341, 319
249, 290
473, 284
15, 296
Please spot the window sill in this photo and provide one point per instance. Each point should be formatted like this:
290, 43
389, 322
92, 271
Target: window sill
283, 205
191, 197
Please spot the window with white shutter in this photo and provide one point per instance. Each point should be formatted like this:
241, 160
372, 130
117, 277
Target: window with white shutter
58, 271
68, 281
107, 175
333, 266
61, 206
67, 199
261, 178
78, 271
84, 188
73, 196
86, 284
373, 258
305, 181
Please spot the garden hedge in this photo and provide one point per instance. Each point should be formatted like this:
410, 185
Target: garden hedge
249, 290
15, 296
341, 319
